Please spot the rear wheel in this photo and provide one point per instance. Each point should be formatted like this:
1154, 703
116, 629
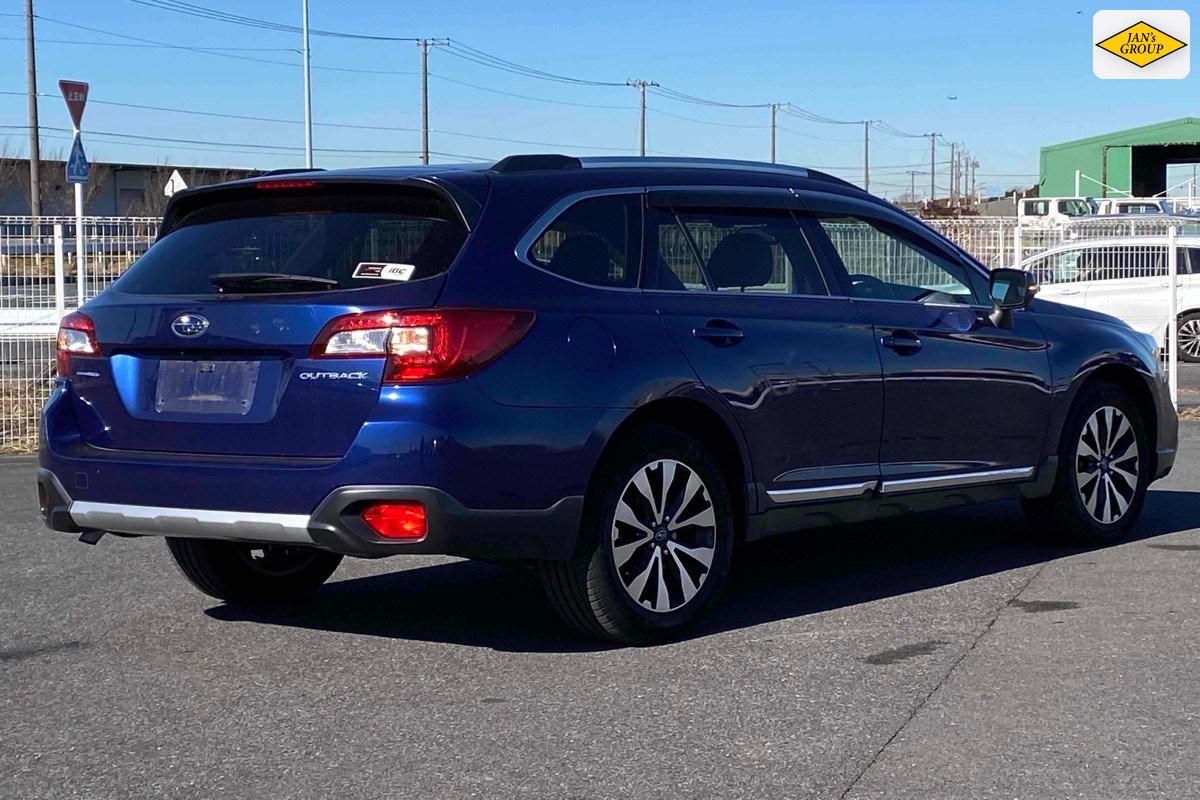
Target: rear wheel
656, 542
248, 573
1103, 471
1189, 337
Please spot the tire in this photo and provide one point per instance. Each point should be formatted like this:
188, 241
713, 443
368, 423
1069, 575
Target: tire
1189, 337
246, 573
636, 577
1096, 501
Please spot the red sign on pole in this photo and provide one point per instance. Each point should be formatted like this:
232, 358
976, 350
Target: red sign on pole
75, 93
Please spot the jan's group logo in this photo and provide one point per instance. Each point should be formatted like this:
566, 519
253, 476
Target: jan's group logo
1141, 45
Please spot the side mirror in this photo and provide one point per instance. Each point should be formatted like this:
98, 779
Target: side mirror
1011, 289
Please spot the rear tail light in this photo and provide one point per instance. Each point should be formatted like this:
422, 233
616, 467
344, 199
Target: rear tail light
424, 345
398, 520
76, 336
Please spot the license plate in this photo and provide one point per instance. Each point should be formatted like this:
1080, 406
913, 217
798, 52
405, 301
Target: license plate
205, 387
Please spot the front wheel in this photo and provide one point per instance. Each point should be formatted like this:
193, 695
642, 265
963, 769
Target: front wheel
1103, 471
655, 545
250, 573
1189, 337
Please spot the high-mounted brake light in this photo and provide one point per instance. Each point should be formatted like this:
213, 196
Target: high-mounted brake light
292, 183
419, 346
76, 336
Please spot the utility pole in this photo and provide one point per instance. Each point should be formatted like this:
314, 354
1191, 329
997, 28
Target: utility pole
953, 201
35, 151
641, 86
932, 165
866, 155
425, 44
774, 109
305, 57
912, 185
974, 194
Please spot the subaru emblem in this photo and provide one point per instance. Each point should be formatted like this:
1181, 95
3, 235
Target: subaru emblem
189, 326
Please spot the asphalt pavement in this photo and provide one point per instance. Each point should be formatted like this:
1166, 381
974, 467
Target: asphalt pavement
950, 655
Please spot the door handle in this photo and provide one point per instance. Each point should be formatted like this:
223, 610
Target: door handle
901, 342
720, 333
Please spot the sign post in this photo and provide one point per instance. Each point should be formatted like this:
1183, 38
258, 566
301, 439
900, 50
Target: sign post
75, 94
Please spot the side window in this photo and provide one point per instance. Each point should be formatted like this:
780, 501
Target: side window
1123, 261
1062, 267
725, 250
1036, 208
1191, 264
596, 241
883, 264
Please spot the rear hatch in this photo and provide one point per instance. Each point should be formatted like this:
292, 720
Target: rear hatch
205, 343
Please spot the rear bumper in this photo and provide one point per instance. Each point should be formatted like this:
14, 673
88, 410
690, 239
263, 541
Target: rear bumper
335, 525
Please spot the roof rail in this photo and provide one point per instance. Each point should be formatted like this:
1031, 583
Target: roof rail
289, 171
554, 161
536, 162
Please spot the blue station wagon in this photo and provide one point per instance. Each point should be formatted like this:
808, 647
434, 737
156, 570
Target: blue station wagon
613, 370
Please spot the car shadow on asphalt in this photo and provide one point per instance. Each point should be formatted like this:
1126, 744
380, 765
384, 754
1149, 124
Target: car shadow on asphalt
479, 604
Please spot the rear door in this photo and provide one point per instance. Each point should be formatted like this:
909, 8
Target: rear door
1129, 281
739, 290
964, 400
198, 355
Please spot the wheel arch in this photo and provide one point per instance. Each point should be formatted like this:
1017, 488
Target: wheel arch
707, 425
1133, 383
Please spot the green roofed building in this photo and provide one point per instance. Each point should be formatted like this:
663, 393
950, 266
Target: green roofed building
1130, 162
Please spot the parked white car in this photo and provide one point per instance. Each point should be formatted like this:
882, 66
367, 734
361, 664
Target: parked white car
1126, 277
1134, 205
1053, 210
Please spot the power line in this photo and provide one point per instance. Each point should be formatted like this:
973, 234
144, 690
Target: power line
203, 12
705, 121
88, 43
528, 97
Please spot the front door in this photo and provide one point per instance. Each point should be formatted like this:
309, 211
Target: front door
965, 401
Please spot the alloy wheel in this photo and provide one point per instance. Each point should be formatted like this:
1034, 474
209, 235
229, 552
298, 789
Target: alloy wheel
1189, 338
1106, 465
664, 536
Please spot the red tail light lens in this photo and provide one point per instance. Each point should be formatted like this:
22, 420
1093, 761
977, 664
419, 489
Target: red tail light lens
76, 336
399, 520
425, 345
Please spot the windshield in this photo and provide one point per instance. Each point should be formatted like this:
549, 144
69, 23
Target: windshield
1074, 207
346, 241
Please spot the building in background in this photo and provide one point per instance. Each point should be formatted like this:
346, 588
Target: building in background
1124, 163
115, 190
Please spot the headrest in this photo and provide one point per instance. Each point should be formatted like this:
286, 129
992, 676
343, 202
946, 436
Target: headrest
584, 258
741, 260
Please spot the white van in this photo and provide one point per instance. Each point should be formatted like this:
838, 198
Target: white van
1126, 278
1053, 210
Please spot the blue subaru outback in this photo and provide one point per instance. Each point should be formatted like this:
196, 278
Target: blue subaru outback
615, 370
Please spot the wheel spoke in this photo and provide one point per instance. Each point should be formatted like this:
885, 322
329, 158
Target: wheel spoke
704, 555
641, 482
1122, 502
662, 601
626, 515
638, 584
623, 552
685, 579
668, 477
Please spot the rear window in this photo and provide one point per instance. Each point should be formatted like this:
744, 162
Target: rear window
356, 240
595, 241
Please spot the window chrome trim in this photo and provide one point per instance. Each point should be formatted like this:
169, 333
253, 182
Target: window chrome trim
956, 480
839, 492
544, 220
192, 522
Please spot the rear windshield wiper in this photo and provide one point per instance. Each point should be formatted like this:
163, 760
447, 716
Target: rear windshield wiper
267, 282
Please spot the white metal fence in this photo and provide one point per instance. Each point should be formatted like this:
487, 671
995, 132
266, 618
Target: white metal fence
41, 278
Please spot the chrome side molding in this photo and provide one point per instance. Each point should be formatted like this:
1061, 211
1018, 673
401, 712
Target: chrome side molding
846, 491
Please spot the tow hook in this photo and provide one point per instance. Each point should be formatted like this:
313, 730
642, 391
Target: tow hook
90, 537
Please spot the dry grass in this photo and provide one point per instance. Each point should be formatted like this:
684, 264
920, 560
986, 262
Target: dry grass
21, 401
1189, 412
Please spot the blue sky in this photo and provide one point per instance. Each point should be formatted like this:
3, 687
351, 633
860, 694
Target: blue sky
1021, 72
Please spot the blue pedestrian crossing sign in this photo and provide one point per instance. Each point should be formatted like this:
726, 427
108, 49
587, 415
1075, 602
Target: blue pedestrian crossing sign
78, 168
